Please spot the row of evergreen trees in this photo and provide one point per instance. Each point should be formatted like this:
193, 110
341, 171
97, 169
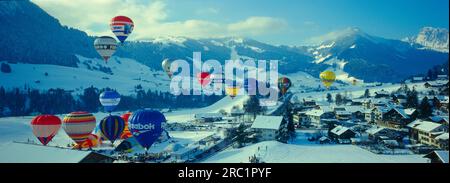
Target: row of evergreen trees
22, 102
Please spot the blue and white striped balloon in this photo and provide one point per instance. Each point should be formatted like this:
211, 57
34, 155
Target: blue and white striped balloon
109, 100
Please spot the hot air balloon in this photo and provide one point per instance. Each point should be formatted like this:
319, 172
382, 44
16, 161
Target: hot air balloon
45, 127
91, 141
112, 127
204, 78
122, 27
105, 46
109, 100
327, 78
79, 125
232, 91
126, 132
166, 67
146, 126
284, 84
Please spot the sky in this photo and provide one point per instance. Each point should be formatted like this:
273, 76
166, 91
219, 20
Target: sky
283, 22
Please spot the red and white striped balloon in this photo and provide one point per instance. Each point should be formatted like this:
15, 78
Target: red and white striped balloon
45, 127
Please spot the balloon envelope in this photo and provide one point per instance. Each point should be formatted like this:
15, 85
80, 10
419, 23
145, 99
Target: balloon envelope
79, 125
112, 127
204, 78
166, 67
92, 140
126, 132
232, 91
327, 78
122, 27
109, 100
106, 46
146, 126
45, 127
284, 84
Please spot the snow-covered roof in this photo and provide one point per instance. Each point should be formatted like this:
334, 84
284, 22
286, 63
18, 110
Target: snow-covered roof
443, 155
427, 126
443, 136
208, 115
438, 82
343, 113
354, 109
415, 123
33, 153
374, 130
323, 138
409, 111
401, 112
314, 112
267, 122
339, 130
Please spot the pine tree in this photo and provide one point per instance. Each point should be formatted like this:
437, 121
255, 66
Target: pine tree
5, 68
90, 99
329, 98
411, 99
339, 99
425, 108
367, 93
253, 106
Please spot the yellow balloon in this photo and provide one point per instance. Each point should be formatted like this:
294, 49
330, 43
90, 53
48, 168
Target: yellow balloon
232, 91
327, 78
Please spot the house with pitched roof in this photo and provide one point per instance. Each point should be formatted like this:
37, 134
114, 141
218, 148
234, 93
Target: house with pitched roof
341, 134
426, 132
268, 127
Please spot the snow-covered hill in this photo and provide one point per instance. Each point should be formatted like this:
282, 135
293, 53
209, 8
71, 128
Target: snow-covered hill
120, 73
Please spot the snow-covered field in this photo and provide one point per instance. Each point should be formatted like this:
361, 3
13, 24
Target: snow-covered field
226, 104
302, 151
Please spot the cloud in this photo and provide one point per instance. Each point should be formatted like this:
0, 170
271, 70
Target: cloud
257, 25
151, 19
207, 11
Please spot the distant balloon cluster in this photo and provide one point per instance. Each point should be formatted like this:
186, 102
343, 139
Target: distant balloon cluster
106, 46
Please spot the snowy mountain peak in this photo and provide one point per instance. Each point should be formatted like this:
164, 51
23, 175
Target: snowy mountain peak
431, 38
344, 38
165, 40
